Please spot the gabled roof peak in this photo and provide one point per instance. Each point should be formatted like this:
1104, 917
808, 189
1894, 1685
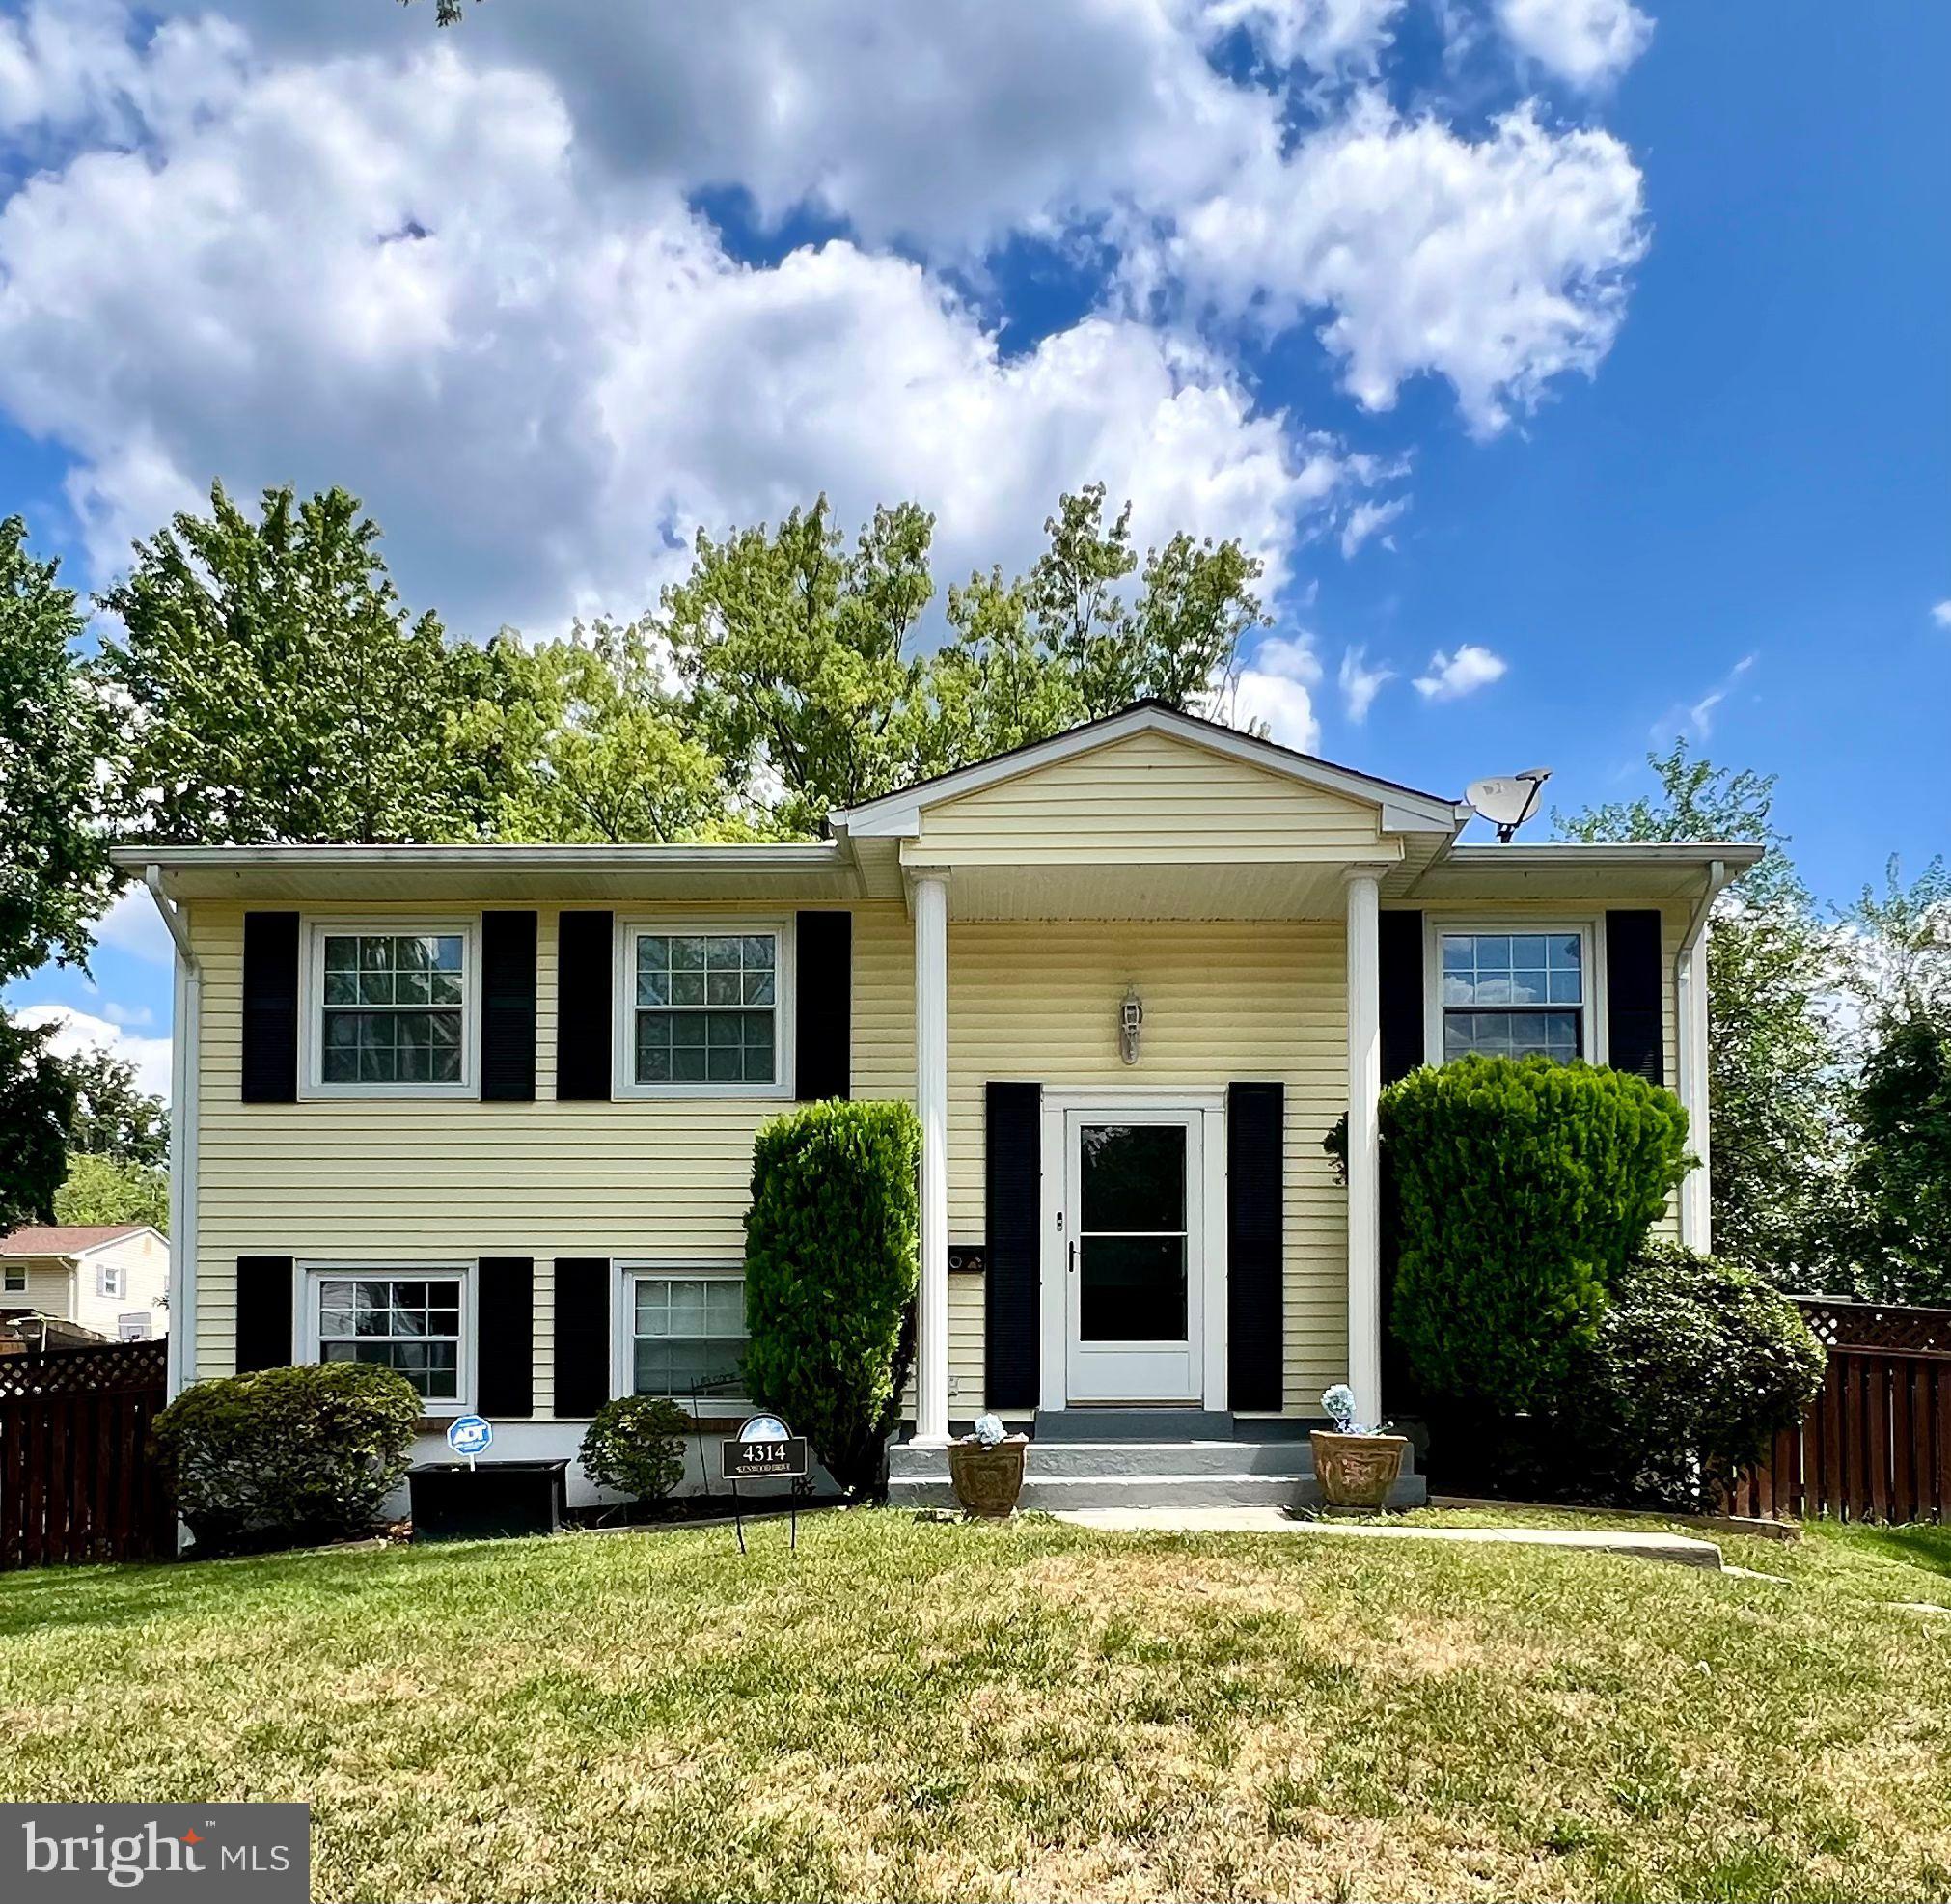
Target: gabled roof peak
1404, 809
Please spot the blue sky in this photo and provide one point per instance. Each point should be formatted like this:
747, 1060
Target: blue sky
1578, 365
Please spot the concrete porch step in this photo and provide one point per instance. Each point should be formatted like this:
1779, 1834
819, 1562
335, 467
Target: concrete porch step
1060, 1475
1051, 1460
1059, 1493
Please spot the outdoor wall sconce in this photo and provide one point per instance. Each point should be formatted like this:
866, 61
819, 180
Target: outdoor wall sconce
1131, 1014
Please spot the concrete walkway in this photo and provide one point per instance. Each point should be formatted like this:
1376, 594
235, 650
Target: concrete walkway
1678, 1548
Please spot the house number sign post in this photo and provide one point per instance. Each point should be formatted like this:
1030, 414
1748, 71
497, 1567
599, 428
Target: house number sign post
764, 1449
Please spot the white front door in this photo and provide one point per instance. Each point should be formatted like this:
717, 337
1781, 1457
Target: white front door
1133, 1213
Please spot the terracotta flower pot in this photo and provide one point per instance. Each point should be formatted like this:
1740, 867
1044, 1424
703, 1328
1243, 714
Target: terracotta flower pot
1356, 1471
988, 1480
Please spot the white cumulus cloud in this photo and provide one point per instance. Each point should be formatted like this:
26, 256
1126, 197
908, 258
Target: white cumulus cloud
1359, 683
1940, 612
77, 1032
1589, 42
541, 379
1276, 689
1498, 263
1372, 519
1450, 676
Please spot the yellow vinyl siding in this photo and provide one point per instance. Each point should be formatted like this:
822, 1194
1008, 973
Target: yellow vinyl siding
1149, 800
429, 1179
1223, 1003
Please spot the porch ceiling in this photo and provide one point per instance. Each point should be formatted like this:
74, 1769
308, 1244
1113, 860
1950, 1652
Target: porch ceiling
1261, 889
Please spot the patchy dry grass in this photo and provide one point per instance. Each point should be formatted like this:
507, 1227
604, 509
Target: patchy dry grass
1032, 1711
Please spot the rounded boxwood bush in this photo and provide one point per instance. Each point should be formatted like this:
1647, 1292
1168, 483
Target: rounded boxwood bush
831, 1258
635, 1446
287, 1457
1696, 1365
1522, 1187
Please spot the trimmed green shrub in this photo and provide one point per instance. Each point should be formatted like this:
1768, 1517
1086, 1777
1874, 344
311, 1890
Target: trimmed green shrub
831, 1262
287, 1457
635, 1444
1523, 1188
1697, 1365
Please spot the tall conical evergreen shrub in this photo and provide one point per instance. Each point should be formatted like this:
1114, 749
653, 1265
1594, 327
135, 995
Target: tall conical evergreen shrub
832, 1255
1524, 1187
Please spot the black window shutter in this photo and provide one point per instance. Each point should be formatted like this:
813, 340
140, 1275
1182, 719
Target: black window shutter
585, 955
1014, 1213
507, 1007
823, 1005
1399, 983
582, 1347
264, 1333
1255, 1118
1635, 996
504, 1335
270, 1066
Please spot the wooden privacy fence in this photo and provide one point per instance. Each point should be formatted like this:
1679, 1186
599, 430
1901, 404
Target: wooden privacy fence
1876, 1442
77, 1480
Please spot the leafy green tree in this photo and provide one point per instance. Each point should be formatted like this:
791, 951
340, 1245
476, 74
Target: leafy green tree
1170, 640
591, 746
54, 870
37, 1102
54, 729
1897, 973
1774, 1075
98, 1189
789, 647
114, 1116
278, 689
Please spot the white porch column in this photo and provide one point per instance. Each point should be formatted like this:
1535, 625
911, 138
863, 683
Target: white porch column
1364, 1152
1696, 1200
931, 1106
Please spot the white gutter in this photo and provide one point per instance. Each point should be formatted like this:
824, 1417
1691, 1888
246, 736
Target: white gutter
1689, 978
186, 1025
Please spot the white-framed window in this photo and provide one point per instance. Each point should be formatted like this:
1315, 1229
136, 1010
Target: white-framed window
15, 1279
682, 1332
417, 1318
1515, 988
392, 1008
705, 1008
110, 1280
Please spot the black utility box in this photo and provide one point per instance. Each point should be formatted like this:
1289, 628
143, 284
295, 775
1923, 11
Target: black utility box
452, 1501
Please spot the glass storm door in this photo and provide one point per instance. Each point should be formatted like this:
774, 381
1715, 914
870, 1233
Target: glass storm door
1132, 1207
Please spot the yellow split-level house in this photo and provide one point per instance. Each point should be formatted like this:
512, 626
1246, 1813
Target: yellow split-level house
485, 1112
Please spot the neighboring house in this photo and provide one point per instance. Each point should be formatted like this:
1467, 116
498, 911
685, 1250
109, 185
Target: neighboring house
110, 1278
485, 1112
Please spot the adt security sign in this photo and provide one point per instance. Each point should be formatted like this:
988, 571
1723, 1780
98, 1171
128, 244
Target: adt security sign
468, 1435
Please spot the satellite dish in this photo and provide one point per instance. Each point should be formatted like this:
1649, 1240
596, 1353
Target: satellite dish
1508, 800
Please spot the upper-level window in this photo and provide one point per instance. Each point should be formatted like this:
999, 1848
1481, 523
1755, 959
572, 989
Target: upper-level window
111, 1281
705, 1013
1515, 994
391, 1008
16, 1280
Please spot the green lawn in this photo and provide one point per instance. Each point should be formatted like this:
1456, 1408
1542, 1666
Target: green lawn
917, 1710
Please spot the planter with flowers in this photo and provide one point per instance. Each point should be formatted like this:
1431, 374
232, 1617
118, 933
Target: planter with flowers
1356, 1466
987, 1469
